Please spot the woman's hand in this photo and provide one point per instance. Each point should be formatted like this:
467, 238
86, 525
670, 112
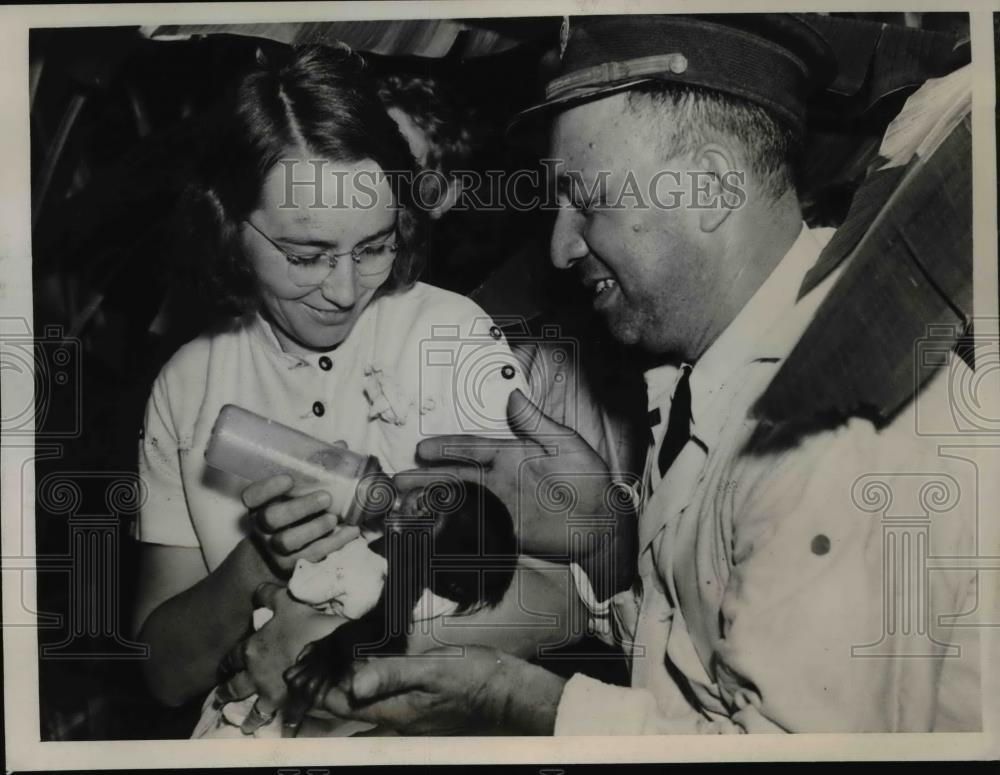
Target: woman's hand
287, 529
191, 617
256, 664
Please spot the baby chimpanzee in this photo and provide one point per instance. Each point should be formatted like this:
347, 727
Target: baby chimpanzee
453, 538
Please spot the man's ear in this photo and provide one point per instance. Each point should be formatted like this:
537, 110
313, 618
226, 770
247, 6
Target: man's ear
714, 177
450, 199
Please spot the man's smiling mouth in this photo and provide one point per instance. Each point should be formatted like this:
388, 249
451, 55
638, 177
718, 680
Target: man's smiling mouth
604, 285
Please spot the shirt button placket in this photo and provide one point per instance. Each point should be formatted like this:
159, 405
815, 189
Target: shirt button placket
326, 364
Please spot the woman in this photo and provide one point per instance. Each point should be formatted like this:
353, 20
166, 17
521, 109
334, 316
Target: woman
305, 187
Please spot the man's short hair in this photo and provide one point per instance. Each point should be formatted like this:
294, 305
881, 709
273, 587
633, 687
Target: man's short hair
699, 115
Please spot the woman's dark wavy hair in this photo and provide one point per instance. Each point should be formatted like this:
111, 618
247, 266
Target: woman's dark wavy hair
314, 98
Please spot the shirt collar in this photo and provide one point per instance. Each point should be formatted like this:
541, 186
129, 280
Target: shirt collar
360, 343
754, 334
264, 333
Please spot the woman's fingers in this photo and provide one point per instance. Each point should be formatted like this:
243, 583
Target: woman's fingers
259, 493
295, 538
341, 537
323, 529
281, 515
319, 549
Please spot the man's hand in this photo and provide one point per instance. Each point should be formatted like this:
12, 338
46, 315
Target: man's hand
480, 691
540, 475
564, 500
259, 661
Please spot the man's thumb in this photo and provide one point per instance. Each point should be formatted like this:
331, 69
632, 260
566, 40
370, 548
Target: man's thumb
376, 678
528, 421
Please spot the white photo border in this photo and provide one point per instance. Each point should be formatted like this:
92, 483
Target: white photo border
25, 751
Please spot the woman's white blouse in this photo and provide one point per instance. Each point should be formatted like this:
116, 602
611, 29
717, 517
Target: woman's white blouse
417, 364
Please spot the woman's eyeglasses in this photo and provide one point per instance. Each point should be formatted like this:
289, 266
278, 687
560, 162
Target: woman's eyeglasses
373, 261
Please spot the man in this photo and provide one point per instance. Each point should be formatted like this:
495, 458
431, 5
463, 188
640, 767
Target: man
441, 139
763, 597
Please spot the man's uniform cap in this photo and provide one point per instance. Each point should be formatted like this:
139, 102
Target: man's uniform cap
772, 60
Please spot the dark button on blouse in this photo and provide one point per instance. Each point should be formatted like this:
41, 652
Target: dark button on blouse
318, 409
820, 545
325, 363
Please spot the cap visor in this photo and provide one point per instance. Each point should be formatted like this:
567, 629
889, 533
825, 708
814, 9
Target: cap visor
530, 116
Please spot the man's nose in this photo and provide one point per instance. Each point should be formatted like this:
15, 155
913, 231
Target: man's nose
341, 285
568, 245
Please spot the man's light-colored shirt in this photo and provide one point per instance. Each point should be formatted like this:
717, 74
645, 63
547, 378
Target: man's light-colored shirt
788, 590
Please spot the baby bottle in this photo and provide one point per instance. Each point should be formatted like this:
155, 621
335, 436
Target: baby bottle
254, 448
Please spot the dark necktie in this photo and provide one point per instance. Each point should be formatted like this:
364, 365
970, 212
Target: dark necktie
678, 422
